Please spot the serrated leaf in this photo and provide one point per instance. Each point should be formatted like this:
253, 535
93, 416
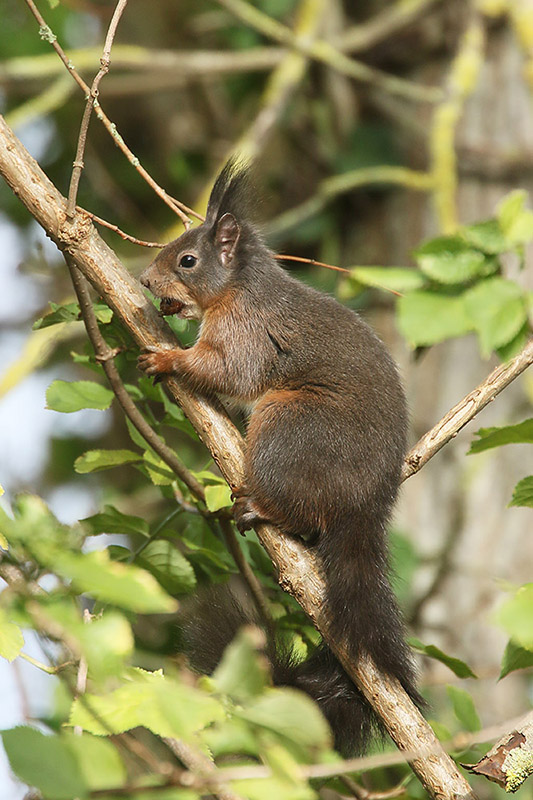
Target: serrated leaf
107, 642
426, 318
90, 751
515, 657
149, 699
124, 585
70, 396
111, 520
450, 260
497, 310
397, 279
464, 708
169, 566
458, 667
516, 616
290, 714
486, 236
243, 673
94, 460
523, 493
521, 433
11, 638
60, 313
44, 762
217, 497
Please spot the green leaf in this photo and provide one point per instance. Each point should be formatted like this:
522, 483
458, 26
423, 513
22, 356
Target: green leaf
515, 657
523, 493
458, 667
515, 220
163, 705
516, 616
464, 708
425, 318
94, 460
60, 313
124, 585
242, 673
160, 474
397, 279
69, 396
486, 236
107, 642
521, 433
268, 788
103, 313
291, 715
217, 497
497, 310
44, 762
90, 752
169, 566
450, 260
11, 638
110, 520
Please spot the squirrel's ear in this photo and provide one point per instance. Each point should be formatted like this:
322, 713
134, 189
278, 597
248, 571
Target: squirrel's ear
226, 238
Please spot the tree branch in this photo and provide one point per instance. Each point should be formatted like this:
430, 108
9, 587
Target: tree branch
297, 568
465, 410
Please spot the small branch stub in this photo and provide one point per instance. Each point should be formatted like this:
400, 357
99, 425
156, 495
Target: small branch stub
510, 761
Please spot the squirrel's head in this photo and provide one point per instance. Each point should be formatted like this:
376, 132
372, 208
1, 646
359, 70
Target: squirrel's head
196, 269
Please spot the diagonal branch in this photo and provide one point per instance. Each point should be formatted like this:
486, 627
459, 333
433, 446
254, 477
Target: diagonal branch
465, 410
297, 568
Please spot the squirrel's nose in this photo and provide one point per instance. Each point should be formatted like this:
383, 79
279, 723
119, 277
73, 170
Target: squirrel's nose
145, 280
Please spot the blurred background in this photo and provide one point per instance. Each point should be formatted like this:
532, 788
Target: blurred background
191, 83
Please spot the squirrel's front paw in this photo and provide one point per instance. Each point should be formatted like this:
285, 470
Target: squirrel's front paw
157, 362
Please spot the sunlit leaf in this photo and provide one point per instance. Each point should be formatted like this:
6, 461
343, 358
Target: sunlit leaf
497, 310
450, 260
523, 493
164, 706
94, 460
11, 638
515, 657
217, 497
521, 433
242, 672
425, 318
69, 396
290, 714
124, 585
516, 616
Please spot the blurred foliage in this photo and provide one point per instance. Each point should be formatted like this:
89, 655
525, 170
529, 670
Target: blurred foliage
328, 157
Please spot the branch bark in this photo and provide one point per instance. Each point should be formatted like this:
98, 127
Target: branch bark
297, 569
510, 762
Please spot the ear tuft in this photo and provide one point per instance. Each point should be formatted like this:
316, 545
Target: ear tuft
226, 237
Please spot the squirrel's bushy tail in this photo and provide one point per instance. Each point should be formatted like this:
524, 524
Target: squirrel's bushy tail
365, 613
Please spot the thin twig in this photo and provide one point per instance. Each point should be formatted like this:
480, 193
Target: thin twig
105, 60
382, 25
46, 33
465, 410
311, 261
117, 230
199, 764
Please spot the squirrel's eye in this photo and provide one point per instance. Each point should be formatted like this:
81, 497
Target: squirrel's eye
188, 261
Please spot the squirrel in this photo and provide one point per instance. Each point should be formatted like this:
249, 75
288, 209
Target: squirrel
325, 440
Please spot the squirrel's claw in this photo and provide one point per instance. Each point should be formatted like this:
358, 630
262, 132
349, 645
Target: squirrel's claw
154, 361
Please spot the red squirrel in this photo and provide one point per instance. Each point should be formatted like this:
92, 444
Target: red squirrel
326, 436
